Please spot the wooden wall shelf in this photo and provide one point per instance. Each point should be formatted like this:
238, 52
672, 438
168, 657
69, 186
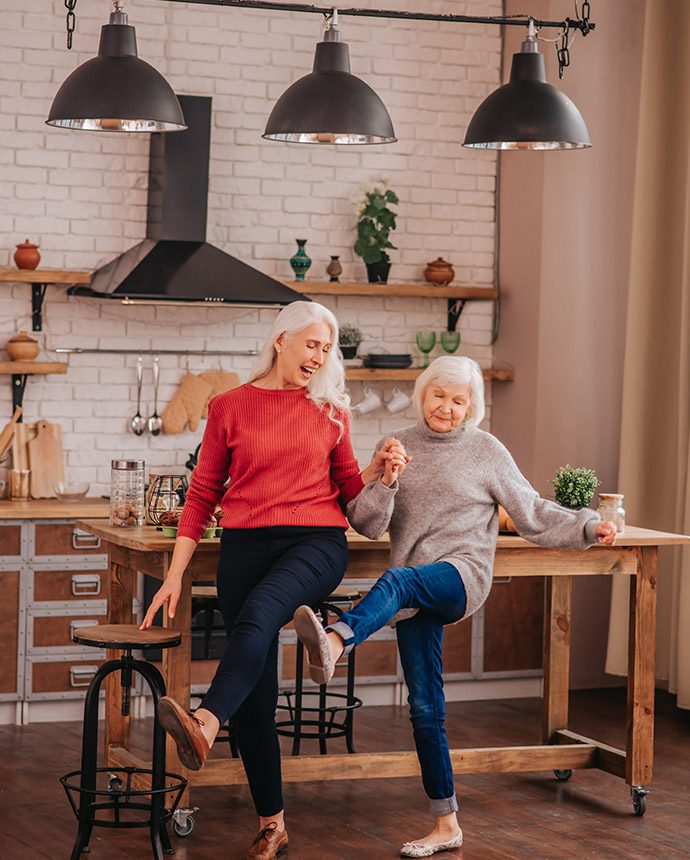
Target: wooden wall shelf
410, 373
32, 367
43, 276
427, 291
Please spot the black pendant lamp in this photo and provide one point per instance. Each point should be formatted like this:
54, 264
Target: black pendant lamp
527, 113
116, 91
330, 105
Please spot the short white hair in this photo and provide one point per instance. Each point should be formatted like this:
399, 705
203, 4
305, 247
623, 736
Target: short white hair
453, 370
327, 387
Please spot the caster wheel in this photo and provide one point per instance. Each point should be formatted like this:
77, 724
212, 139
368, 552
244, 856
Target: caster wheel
183, 827
639, 799
563, 775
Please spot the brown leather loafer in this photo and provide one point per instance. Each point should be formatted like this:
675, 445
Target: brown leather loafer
268, 843
185, 729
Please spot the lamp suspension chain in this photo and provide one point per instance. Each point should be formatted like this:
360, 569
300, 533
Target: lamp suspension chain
70, 5
562, 49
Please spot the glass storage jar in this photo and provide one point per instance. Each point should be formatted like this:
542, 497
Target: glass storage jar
127, 493
611, 508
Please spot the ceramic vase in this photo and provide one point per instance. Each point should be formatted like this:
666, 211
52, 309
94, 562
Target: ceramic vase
334, 269
22, 347
378, 272
439, 272
26, 256
300, 262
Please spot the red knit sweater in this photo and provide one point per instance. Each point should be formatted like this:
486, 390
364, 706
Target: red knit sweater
282, 455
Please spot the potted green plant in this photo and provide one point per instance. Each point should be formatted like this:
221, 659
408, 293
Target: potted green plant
374, 225
349, 339
574, 488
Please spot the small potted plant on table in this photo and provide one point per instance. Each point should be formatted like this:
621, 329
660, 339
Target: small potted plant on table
574, 488
349, 338
374, 225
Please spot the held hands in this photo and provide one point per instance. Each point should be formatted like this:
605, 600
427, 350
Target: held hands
606, 533
168, 593
396, 460
392, 450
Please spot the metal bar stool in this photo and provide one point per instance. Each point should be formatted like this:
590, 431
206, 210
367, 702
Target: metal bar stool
299, 724
123, 793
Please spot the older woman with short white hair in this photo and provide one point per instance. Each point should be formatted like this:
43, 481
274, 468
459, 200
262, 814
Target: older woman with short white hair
440, 507
283, 441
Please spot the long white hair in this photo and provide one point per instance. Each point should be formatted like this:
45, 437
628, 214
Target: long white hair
326, 387
453, 370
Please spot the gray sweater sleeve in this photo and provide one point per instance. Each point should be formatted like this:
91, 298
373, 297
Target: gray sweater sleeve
370, 512
538, 520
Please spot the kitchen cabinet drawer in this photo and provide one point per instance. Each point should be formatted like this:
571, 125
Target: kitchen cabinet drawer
58, 539
11, 540
9, 632
50, 632
60, 679
514, 625
70, 585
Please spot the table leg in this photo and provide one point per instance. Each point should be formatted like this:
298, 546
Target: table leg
122, 586
641, 643
556, 655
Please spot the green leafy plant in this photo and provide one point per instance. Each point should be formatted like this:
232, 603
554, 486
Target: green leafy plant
349, 335
375, 223
574, 488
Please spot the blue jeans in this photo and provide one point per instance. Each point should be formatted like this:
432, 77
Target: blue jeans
263, 575
436, 590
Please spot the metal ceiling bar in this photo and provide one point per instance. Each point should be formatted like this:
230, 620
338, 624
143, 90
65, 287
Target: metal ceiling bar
78, 350
276, 5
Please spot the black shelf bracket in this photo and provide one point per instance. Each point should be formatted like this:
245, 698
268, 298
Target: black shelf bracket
38, 294
18, 386
455, 308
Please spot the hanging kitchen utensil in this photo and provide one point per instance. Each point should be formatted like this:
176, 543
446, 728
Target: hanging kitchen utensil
155, 422
8, 431
138, 423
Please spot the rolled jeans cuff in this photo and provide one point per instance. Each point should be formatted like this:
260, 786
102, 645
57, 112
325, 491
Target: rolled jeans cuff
345, 633
443, 805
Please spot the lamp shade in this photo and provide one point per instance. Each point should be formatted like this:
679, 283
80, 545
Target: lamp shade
116, 91
330, 105
527, 113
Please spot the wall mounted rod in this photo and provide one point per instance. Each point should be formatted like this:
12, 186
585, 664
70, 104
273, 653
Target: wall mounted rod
522, 21
97, 351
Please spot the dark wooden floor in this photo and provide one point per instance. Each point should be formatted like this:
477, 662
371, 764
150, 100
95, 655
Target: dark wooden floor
521, 816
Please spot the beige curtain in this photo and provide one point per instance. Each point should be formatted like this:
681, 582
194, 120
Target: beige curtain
655, 433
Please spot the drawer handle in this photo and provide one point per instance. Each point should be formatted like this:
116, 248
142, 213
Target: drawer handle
81, 676
85, 583
73, 625
84, 540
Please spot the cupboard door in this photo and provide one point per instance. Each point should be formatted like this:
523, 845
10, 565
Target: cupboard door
514, 625
9, 630
457, 647
11, 540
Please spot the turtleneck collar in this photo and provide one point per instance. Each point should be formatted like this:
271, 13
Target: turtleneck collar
434, 436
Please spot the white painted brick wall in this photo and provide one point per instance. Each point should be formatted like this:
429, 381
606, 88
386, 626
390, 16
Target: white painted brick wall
82, 197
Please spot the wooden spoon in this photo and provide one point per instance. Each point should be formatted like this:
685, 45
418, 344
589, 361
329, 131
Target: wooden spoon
8, 431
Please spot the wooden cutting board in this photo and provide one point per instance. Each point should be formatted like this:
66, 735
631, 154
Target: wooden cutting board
45, 459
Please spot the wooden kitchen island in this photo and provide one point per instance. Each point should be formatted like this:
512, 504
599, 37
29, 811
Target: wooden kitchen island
635, 556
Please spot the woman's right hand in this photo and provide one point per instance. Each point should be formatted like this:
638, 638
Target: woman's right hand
168, 593
394, 466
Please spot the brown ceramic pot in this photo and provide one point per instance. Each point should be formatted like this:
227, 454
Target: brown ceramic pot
439, 272
22, 347
26, 256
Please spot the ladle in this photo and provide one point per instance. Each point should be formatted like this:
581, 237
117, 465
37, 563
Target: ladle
138, 423
155, 421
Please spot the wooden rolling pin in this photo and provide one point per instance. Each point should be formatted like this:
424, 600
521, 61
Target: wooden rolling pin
8, 431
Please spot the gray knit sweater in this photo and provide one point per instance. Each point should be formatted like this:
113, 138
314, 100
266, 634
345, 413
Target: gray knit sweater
444, 507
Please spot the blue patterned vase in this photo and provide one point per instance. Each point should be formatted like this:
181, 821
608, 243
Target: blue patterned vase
300, 262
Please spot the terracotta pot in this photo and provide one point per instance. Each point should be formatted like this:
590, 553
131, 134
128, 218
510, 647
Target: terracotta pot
22, 347
26, 256
439, 272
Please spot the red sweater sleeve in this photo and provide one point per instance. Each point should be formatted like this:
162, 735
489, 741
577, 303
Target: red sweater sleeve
208, 478
344, 466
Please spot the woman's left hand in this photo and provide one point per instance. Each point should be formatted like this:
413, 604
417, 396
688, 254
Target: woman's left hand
393, 450
606, 532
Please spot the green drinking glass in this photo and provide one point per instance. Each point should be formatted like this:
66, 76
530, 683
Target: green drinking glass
450, 341
426, 341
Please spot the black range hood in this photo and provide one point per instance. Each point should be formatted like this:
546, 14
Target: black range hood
175, 263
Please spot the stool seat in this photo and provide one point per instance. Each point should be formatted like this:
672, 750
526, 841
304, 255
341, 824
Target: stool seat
343, 592
127, 636
209, 591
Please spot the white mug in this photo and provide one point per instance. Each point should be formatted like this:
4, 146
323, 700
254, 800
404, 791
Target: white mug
398, 401
370, 402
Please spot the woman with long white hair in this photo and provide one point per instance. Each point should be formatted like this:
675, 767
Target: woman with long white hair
440, 506
283, 440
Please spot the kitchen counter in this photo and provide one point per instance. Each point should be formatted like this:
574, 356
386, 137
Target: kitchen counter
52, 509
